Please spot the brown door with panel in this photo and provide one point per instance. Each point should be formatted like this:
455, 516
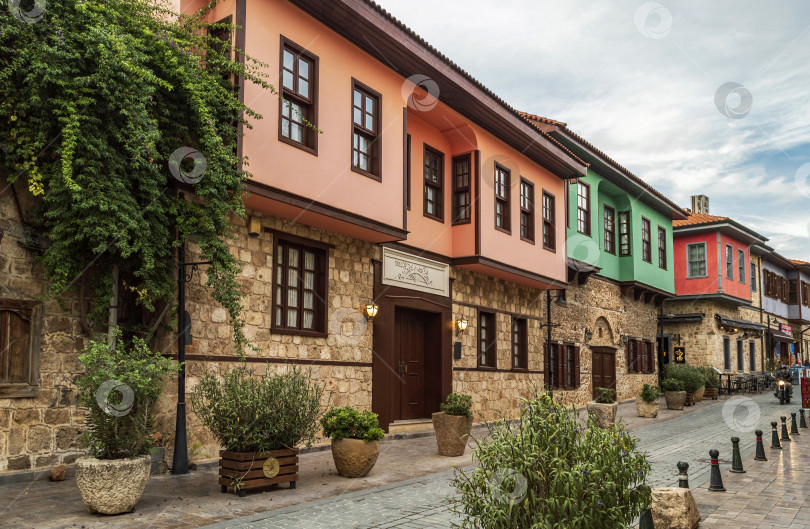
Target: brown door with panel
410, 366
603, 368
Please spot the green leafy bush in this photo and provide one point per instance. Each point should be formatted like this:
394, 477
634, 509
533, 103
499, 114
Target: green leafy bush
247, 412
710, 376
672, 384
605, 395
548, 470
347, 422
457, 404
117, 389
691, 376
650, 393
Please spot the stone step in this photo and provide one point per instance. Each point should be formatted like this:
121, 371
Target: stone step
412, 425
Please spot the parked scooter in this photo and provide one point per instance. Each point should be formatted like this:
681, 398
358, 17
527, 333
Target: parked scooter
784, 388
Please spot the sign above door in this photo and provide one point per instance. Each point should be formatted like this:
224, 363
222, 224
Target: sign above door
404, 270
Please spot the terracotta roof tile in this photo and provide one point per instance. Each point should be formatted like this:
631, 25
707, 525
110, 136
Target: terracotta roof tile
541, 119
696, 219
797, 262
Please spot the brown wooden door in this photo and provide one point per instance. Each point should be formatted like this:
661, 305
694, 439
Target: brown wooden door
411, 327
604, 369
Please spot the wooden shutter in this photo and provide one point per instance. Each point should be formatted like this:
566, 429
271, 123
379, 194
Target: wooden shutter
560, 377
546, 375
576, 367
15, 347
629, 354
639, 356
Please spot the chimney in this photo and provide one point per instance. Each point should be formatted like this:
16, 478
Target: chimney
700, 204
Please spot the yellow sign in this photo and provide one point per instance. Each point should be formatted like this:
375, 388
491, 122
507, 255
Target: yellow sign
270, 467
680, 355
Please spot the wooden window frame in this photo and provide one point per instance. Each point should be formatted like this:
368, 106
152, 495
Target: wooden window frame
752, 269
729, 262
461, 191
662, 248
635, 357
646, 243
527, 212
585, 211
504, 200
805, 293
609, 227
375, 154
491, 347
321, 290
741, 265
30, 311
705, 261
549, 222
793, 291
571, 377
520, 344
310, 143
625, 233
649, 357
740, 356
439, 215
752, 356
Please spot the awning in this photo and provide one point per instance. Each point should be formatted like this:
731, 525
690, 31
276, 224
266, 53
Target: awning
783, 336
692, 317
739, 324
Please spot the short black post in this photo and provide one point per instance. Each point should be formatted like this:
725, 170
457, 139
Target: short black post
716, 480
802, 424
645, 521
683, 477
785, 436
775, 437
760, 452
736, 458
794, 429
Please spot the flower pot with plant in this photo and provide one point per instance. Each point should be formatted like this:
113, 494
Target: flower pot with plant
674, 393
647, 402
453, 424
259, 420
355, 440
119, 385
712, 382
692, 378
604, 408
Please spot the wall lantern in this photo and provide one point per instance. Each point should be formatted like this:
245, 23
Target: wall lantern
624, 338
588, 335
676, 338
461, 326
370, 311
254, 227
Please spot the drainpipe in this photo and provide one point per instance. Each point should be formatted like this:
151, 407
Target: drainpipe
759, 293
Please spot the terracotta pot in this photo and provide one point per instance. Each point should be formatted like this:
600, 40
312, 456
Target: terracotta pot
697, 396
675, 399
605, 413
710, 393
111, 486
354, 458
646, 409
452, 432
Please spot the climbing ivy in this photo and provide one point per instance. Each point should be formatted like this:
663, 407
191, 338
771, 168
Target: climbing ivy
97, 95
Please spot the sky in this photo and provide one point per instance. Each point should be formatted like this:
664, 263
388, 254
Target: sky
694, 97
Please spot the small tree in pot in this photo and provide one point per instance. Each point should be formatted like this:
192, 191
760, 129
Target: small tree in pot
674, 393
453, 424
355, 440
647, 402
604, 407
118, 387
712, 382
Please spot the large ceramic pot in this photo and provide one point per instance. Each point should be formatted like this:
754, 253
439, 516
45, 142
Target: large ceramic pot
605, 413
452, 432
354, 458
697, 396
646, 409
111, 486
710, 393
675, 399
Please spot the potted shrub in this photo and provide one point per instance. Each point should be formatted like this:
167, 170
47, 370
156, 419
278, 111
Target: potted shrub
674, 393
604, 408
712, 384
692, 380
259, 420
453, 424
119, 385
355, 440
647, 402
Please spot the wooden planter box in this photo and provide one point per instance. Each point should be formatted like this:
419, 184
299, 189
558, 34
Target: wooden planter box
248, 469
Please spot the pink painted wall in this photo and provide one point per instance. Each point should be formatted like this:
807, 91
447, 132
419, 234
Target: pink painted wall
734, 287
684, 286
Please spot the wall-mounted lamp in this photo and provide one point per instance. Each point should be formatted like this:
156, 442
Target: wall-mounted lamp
588, 335
676, 338
370, 311
624, 338
254, 227
461, 326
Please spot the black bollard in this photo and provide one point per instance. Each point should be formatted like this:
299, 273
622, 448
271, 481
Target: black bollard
785, 436
736, 459
802, 424
794, 430
775, 437
645, 520
683, 477
760, 452
716, 480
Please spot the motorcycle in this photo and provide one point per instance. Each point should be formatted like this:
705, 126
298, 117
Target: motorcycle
784, 389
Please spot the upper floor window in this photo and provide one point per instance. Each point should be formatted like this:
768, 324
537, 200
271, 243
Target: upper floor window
696, 255
298, 101
624, 233
753, 277
526, 210
583, 208
461, 189
502, 198
434, 184
19, 329
366, 144
520, 344
300, 286
549, 236
487, 351
793, 295
662, 248
805, 294
729, 262
646, 240
741, 264
610, 229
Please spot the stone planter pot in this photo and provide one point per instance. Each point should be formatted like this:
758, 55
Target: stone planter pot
111, 486
710, 393
646, 409
354, 458
452, 432
604, 413
697, 396
675, 399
